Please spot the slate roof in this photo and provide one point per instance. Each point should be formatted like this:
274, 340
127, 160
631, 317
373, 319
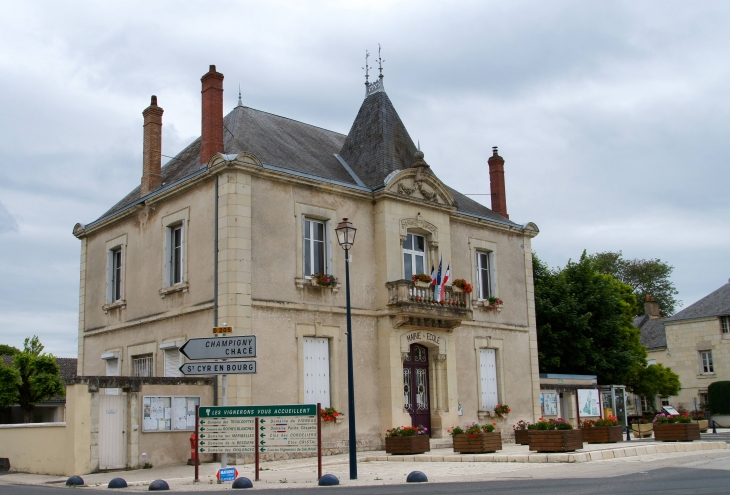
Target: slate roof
653, 334
715, 304
378, 144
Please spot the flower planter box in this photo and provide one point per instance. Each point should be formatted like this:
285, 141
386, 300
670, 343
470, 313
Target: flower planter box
456, 289
603, 434
676, 432
642, 430
556, 440
422, 285
481, 444
416, 444
522, 437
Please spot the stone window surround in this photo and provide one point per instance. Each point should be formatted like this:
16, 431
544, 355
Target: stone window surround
140, 350
302, 211
426, 229
167, 222
332, 333
497, 344
702, 348
481, 245
118, 242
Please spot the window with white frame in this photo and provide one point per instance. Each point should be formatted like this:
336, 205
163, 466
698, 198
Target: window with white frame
174, 254
142, 365
484, 274
111, 365
317, 371
488, 379
414, 255
173, 361
706, 365
315, 247
725, 324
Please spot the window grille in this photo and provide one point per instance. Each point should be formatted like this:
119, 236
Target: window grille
142, 365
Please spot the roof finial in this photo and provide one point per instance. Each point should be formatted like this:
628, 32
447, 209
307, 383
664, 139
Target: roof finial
380, 63
240, 103
419, 145
367, 68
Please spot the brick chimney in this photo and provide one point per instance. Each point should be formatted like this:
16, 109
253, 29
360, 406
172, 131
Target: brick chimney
211, 139
496, 183
651, 307
152, 148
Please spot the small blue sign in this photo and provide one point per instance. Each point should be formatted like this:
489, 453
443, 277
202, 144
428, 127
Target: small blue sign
226, 474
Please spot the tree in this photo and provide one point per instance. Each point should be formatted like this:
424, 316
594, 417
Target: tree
654, 380
585, 322
647, 277
32, 378
8, 350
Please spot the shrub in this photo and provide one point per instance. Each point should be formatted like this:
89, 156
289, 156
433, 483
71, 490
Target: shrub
718, 397
406, 431
550, 424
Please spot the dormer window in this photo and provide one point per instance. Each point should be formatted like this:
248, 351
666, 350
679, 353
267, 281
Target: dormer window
414, 255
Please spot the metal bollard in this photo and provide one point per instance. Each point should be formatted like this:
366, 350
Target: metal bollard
628, 433
714, 426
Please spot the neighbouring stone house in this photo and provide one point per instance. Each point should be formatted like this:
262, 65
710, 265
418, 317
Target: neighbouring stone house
231, 230
694, 343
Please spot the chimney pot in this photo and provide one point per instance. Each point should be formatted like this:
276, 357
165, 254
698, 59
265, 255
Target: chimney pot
211, 138
651, 307
496, 183
151, 148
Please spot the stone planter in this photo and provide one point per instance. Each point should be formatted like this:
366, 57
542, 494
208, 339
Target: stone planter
456, 289
416, 444
703, 424
481, 444
422, 285
642, 430
556, 440
676, 432
522, 437
603, 434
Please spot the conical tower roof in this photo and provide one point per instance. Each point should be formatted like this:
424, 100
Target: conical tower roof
378, 142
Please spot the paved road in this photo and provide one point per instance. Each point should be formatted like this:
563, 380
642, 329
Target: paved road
664, 481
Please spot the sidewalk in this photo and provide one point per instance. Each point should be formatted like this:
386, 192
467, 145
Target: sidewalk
443, 466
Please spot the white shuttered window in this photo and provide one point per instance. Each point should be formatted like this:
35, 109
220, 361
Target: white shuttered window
173, 361
488, 372
112, 369
317, 371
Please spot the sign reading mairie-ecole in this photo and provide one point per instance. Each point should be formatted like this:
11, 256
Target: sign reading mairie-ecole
243, 346
218, 368
257, 411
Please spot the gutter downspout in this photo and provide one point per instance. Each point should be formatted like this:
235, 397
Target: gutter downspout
215, 282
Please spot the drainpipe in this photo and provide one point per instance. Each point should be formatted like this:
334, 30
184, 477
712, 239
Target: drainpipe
215, 282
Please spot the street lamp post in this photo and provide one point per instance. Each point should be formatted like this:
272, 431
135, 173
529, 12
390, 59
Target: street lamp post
346, 237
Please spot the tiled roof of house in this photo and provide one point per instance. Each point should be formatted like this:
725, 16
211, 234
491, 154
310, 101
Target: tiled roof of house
715, 304
378, 144
653, 334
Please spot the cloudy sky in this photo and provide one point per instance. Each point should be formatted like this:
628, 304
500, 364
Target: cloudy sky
612, 117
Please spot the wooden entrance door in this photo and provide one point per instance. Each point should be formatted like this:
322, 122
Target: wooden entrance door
112, 437
415, 386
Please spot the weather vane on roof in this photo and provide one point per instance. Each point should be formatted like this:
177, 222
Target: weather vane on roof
367, 67
380, 62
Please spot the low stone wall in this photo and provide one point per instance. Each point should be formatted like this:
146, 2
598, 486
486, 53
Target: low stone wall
35, 447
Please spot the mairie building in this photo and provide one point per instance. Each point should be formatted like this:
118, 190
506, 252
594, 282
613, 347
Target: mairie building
233, 230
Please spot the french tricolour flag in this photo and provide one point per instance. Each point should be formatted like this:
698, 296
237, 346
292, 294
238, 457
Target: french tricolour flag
443, 283
437, 285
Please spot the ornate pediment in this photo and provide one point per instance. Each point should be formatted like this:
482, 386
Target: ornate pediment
416, 183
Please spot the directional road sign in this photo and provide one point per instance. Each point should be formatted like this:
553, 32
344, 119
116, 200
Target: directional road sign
218, 368
230, 413
240, 346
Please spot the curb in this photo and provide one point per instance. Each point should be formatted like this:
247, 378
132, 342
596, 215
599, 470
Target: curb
596, 455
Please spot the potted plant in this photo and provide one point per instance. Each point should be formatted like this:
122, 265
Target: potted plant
554, 435
605, 430
407, 440
330, 414
461, 285
476, 438
502, 410
677, 428
521, 432
422, 280
324, 280
642, 428
492, 304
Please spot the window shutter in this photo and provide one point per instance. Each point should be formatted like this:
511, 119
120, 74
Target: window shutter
488, 372
182, 252
173, 361
109, 277
168, 250
316, 371
112, 369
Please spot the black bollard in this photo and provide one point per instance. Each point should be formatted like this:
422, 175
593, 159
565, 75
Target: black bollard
714, 426
158, 485
117, 483
628, 433
329, 480
75, 481
416, 477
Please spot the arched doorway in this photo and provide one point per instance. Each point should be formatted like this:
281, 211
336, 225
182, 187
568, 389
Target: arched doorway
415, 386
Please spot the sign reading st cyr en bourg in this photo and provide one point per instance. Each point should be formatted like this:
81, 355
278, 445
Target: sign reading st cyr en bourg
240, 346
218, 368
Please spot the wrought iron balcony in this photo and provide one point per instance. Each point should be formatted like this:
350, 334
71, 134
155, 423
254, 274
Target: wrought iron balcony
414, 306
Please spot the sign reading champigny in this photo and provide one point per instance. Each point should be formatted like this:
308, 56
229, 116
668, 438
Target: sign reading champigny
218, 368
243, 346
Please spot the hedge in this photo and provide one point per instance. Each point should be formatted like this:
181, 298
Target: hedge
718, 397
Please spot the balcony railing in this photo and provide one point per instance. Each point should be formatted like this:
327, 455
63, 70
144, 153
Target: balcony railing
416, 306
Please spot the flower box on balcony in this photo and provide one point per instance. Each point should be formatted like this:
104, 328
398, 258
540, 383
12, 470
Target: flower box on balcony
556, 440
416, 444
422, 285
522, 437
603, 434
478, 443
676, 432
